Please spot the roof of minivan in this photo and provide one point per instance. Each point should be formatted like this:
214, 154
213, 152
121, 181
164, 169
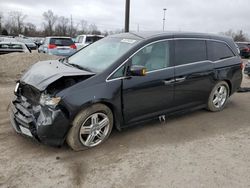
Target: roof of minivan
58, 37
178, 34
90, 35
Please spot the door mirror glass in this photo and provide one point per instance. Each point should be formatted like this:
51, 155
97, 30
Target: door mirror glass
137, 70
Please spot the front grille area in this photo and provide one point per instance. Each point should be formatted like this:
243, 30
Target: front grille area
23, 115
29, 92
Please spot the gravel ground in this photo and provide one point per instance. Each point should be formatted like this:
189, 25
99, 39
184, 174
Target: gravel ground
199, 149
13, 65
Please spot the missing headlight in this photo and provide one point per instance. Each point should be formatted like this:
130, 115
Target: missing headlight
48, 100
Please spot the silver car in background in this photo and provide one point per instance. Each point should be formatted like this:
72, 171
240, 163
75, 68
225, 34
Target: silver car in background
28, 41
11, 47
60, 46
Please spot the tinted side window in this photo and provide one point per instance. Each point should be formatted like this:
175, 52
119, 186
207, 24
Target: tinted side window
189, 51
154, 57
218, 51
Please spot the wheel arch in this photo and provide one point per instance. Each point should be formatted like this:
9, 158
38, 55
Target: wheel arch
229, 85
118, 118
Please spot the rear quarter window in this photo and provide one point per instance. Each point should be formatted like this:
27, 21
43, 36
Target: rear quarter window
218, 51
189, 51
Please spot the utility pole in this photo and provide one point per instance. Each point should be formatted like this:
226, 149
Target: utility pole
164, 18
127, 11
138, 27
71, 25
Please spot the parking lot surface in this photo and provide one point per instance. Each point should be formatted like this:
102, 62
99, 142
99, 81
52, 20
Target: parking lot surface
198, 149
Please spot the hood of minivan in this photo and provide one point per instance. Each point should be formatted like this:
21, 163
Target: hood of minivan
43, 73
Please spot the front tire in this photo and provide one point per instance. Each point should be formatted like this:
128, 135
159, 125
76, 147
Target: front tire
218, 97
91, 127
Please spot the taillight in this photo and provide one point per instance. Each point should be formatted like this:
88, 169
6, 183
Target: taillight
246, 49
52, 46
73, 46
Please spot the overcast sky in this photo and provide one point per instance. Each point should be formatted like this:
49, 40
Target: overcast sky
211, 16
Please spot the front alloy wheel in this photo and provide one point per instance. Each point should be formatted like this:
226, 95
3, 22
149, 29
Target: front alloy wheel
94, 129
91, 127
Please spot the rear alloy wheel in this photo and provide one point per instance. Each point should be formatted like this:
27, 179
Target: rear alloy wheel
218, 97
91, 127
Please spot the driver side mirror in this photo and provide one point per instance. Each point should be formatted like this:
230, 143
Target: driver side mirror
137, 70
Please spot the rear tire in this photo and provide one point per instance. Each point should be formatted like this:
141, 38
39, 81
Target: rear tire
90, 128
218, 97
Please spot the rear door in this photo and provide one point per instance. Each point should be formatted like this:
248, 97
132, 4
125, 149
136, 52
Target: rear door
193, 73
149, 96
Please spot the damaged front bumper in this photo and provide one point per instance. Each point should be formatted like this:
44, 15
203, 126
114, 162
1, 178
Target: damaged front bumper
45, 124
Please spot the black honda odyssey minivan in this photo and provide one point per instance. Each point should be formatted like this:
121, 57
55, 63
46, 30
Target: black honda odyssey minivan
123, 80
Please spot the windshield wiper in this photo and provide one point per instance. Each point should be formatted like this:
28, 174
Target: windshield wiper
79, 67
66, 62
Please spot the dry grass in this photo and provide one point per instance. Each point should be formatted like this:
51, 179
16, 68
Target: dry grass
12, 66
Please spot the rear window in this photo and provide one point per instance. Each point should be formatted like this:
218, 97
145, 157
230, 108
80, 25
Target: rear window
61, 41
218, 51
189, 51
11, 46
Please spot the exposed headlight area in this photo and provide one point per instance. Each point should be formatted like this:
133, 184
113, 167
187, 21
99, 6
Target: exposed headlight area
48, 100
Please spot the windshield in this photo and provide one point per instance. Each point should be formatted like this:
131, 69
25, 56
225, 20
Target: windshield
100, 55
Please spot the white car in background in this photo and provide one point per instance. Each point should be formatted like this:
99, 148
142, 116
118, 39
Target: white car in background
85, 40
11, 47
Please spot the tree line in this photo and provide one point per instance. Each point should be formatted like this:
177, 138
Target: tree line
15, 24
53, 24
239, 36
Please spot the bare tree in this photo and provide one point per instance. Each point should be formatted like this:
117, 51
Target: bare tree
15, 22
83, 27
62, 27
240, 36
30, 30
237, 36
1, 20
93, 29
229, 33
50, 20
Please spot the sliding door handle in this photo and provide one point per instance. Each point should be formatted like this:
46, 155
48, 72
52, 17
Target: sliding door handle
180, 79
167, 82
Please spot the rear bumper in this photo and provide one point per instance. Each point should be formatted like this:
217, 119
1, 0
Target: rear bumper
57, 53
44, 124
